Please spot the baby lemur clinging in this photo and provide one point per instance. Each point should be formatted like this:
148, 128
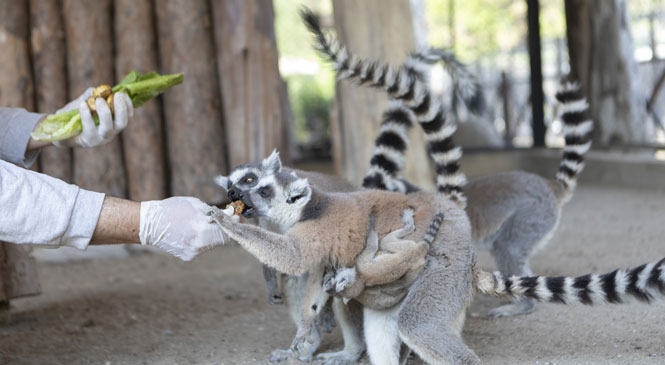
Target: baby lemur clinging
512, 214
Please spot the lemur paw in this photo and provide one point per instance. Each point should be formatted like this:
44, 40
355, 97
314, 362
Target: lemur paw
345, 277
409, 223
339, 358
329, 281
302, 346
280, 355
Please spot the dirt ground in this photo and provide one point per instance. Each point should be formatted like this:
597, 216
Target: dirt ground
149, 308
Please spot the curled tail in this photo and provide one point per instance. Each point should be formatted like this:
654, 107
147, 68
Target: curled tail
578, 128
643, 283
408, 85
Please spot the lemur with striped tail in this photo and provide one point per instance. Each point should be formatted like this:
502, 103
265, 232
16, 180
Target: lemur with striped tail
513, 214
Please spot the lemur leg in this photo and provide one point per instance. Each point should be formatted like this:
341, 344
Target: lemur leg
350, 318
512, 250
308, 338
382, 336
271, 277
432, 314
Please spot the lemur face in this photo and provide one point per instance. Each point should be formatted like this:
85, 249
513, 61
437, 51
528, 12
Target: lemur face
246, 176
279, 197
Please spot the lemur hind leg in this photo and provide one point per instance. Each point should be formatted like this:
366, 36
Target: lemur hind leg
512, 250
271, 277
350, 319
432, 314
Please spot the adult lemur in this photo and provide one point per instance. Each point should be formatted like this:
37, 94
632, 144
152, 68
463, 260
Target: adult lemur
512, 214
330, 229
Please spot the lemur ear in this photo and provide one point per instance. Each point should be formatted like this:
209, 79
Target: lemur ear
222, 181
273, 163
298, 190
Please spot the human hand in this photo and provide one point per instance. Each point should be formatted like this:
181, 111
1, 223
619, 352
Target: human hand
180, 226
110, 124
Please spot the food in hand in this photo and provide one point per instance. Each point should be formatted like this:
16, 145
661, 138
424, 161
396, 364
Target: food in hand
139, 87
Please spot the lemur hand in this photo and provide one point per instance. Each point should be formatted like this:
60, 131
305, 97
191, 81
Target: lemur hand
110, 124
180, 226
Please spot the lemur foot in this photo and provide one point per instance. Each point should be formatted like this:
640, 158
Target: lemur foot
344, 278
522, 306
280, 355
304, 347
339, 358
329, 281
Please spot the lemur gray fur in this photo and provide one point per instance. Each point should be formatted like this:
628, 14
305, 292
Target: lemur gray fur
323, 229
512, 214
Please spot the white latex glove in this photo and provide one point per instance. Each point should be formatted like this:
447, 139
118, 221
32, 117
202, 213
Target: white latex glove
180, 226
109, 124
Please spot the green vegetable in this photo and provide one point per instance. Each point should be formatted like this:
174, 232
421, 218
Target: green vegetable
140, 88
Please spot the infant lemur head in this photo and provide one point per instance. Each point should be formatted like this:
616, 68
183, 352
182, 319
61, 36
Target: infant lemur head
267, 191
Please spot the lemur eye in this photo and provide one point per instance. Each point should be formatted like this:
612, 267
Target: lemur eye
249, 180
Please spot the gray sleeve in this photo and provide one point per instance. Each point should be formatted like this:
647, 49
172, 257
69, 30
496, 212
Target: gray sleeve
16, 124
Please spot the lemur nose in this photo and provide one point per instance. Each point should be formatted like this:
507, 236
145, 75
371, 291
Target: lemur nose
231, 193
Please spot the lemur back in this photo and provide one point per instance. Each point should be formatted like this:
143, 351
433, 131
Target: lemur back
513, 214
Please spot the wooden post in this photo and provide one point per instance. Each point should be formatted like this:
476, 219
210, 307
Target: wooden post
365, 32
50, 69
143, 139
18, 271
90, 63
193, 110
252, 88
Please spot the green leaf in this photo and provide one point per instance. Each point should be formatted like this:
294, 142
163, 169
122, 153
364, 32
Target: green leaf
139, 87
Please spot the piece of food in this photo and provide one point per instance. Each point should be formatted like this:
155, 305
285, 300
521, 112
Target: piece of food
238, 206
139, 87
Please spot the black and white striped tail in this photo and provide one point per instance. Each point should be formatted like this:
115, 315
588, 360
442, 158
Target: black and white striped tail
433, 229
643, 283
408, 85
578, 128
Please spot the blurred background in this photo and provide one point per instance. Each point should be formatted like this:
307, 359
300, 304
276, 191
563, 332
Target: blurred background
253, 82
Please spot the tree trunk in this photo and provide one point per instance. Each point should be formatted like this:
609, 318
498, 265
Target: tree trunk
143, 139
90, 63
18, 271
252, 88
382, 30
193, 110
601, 57
48, 56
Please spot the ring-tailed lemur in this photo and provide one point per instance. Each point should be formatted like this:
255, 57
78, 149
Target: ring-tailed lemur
290, 288
322, 229
513, 214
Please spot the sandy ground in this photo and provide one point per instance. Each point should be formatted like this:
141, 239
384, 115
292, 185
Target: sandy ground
152, 309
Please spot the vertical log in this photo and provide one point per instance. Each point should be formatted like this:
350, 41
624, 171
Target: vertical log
89, 63
18, 271
193, 112
143, 139
362, 26
47, 37
252, 88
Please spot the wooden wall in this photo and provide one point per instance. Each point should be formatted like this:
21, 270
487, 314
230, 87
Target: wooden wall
231, 108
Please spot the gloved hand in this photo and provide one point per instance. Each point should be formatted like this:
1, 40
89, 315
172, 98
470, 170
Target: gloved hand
180, 226
109, 124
